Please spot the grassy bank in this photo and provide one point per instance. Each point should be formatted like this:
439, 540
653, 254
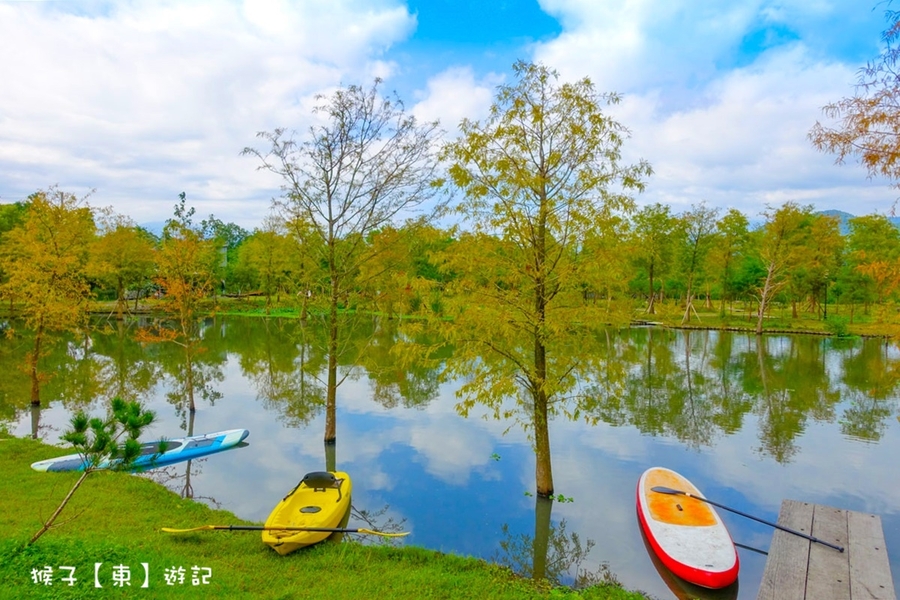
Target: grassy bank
114, 519
876, 321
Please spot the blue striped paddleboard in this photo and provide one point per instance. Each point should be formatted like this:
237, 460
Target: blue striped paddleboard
177, 450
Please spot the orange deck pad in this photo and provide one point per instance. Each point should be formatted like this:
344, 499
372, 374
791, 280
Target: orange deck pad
664, 507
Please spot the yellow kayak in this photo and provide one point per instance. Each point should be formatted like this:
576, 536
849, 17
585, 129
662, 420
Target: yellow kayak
320, 501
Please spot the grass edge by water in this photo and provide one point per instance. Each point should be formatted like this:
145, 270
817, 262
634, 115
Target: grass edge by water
114, 519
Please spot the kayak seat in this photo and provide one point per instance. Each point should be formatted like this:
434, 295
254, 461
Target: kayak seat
321, 481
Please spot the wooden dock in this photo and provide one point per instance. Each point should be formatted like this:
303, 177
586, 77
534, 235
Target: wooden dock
798, 569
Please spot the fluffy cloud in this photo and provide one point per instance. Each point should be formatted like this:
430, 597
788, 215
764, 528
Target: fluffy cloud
154, 98
625, 44
747, 145
720, 118
145, 100
454, 95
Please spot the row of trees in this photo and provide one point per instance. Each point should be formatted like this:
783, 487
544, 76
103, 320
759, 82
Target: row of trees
550, 243
794, 255
57, 253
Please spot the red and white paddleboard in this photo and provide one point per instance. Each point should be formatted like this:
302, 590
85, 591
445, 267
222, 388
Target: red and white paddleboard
685, 533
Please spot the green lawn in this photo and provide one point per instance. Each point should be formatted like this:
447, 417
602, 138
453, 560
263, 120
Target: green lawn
114, 519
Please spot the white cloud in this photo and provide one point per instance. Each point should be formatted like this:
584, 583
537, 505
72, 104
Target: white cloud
734, 137
150, 99
145, 100
454, 95
627, 44
748, 146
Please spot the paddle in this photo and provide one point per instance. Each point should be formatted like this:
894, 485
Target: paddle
666, 490
262, 528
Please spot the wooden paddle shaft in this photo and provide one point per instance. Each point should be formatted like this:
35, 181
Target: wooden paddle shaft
664, 490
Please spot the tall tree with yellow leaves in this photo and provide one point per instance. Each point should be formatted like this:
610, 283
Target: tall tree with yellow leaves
785, 235
122, 255
186, 269
537, 175
45, 259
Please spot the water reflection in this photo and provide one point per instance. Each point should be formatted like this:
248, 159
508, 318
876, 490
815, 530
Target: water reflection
551, 553
685, 590
695, 386
377, 520
125, 369
178, 477
751, 419
672, 384
284, 368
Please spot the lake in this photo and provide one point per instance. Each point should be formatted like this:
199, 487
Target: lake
749, 420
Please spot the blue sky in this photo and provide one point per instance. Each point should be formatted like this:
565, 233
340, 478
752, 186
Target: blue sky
142, 100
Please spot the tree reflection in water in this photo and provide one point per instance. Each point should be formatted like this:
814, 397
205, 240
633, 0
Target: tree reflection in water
694, 386
552, 553
179, 476
376, 520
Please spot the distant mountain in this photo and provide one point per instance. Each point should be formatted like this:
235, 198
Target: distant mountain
836, 213
154, 227
844, 218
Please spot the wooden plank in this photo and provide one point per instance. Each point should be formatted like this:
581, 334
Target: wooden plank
870, 569
784, 577
828, 574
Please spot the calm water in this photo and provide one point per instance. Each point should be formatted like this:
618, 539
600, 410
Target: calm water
749, 422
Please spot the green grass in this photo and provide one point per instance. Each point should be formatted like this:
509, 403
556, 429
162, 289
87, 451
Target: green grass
778, 320
114, 519
882, 321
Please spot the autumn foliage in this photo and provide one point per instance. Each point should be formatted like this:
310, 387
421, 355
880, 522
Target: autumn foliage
868, 122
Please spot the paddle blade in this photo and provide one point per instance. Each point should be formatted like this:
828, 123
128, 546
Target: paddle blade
201, 528
381, 533
667, 490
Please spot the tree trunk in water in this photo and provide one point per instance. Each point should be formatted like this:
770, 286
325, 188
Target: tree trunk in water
543, 471
331, 456
541, 543
190, 380
35, 420
121, 305
33, 365
331, 393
